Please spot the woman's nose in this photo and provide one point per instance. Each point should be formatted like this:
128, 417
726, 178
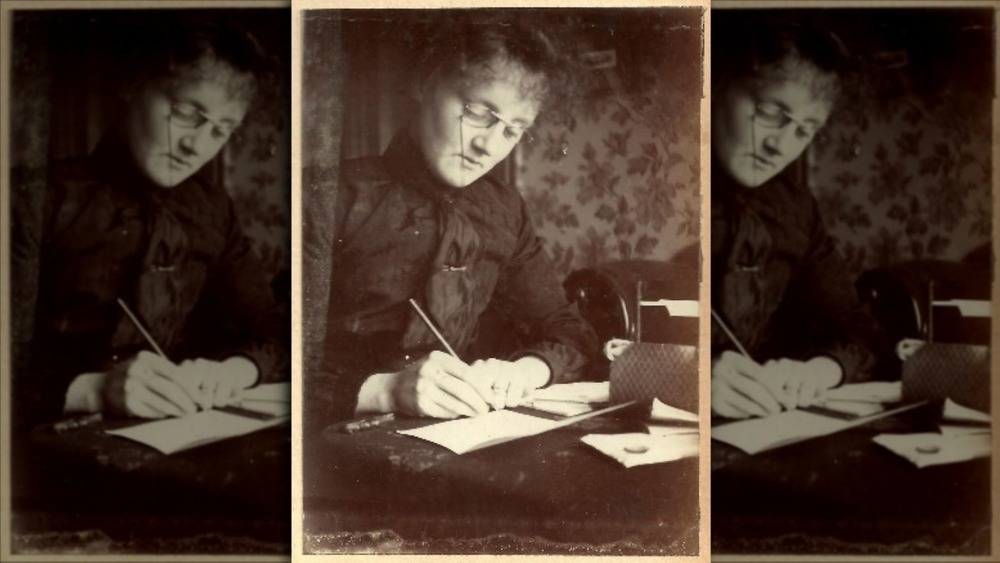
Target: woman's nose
776, 142
487, 141
194, 141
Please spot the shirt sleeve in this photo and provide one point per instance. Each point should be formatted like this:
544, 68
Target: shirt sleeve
828, 316
530, 295
239, 304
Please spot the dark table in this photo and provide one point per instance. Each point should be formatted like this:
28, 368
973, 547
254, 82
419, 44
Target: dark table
843, 493
87, 490
381, 491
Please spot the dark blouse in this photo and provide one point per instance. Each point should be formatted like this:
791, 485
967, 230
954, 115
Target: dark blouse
469, 257
177, 257
778, 280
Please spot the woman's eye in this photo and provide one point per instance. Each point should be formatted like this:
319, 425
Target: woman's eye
478, 115
511, 134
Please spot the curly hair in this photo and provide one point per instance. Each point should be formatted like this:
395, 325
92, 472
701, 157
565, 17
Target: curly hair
177, 51
477, 48
756, 49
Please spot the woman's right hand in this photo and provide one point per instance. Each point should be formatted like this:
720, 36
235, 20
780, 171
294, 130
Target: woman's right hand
145, 387
740, 388
142, 386
438, 385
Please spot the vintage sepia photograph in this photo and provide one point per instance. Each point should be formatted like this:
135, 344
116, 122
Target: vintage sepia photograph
852, 263
150, 282
501, 233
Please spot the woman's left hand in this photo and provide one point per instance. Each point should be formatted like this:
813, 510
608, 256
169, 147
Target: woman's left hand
801, 384
216, 384
512, 382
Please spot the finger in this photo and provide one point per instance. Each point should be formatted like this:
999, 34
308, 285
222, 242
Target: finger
501, 387
225, 391
515, 392
462, 391
449, 363
730, 404
435, 401
146, 403
191, 377
158, 364
809, 391
210, 389
482, 376
755, 392
775, 376
166, 374
742, 364
169, 390
794, 392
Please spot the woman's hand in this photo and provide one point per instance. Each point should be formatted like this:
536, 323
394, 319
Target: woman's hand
143, 386
437, 385
739, 388
216, 384
802, 384
742, 388
511, 383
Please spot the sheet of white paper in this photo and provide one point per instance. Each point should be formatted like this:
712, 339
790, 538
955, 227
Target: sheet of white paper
273, 408
676, 307
856, 408
968, 307
276, 392
956, 412
935, 449
661, 411
663, 430
759, 434
466, 434
873, 391
563, 408
175, 434
957, 430
579, 392
641, 449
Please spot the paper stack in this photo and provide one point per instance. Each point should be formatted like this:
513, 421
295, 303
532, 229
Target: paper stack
666, 440
964, 435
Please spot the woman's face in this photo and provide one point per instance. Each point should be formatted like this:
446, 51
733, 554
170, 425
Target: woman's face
759, 129
174, 130
455, 144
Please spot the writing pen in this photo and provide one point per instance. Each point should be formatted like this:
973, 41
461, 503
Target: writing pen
142, 329
430, 325
145, 333
77, 423
367, 423
729, 333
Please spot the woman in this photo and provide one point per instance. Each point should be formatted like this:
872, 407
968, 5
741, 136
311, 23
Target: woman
426, 222
133, 229
778, 282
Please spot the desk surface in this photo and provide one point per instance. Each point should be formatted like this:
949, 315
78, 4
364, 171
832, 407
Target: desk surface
843, 493
543, 494
231, 496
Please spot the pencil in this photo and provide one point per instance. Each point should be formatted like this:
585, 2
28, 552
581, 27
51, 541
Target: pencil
430, 325
142, 329
729, 333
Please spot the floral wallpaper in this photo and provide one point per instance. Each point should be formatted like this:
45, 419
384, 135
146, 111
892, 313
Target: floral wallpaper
618, 177
907, 175
258, 177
